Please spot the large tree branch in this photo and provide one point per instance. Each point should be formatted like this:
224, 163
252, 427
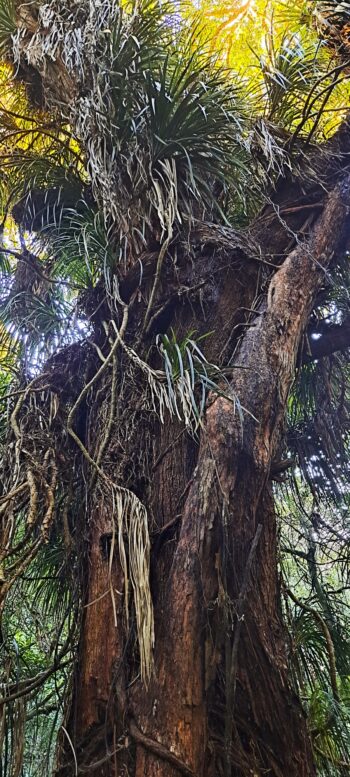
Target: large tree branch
219, 519
331, 338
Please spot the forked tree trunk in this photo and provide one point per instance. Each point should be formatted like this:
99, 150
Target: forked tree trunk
219, 701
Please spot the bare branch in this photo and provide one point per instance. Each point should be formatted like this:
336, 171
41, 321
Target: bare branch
334, 337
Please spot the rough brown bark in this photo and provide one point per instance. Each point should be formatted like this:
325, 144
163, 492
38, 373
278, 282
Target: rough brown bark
98, 677
219, 701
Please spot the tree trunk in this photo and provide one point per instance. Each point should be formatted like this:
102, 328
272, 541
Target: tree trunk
219, 701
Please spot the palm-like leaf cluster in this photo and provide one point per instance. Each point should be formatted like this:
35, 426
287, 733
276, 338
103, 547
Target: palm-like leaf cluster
164, 137
7, 23
190, 377
165, 121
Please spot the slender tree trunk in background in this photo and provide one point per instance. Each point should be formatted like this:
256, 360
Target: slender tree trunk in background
219, 701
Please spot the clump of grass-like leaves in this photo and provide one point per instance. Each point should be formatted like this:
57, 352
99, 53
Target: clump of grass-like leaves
190, 376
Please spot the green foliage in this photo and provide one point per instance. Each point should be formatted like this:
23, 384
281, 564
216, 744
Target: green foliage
196, 118
190, 376
7, 24
315, 567
36, 631
39, 631
182, 124
319, 405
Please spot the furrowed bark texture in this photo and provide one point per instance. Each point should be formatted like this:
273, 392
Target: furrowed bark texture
219, 703
228, 494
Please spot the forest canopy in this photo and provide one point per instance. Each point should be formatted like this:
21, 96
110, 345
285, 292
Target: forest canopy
174, 387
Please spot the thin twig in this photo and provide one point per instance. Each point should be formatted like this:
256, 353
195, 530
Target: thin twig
161, 257
72, 749
87, 388
5, 397
328, 638
167, 450
25, 688
19, 403
22, 565
13, 493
